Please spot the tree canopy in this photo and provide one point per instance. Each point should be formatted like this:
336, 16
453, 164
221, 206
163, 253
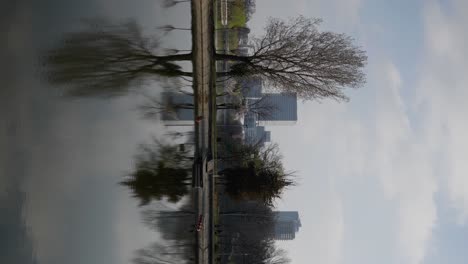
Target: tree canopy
295, 56
104, 59
260, 176
161, 170
261, 107
252, 225
167, 106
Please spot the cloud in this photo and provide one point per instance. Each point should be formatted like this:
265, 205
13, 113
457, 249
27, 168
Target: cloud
274, 8
345, 13
323, 227
349, 155
442, 96
415, 147
347, 147
321, 153
328, 233
404, 167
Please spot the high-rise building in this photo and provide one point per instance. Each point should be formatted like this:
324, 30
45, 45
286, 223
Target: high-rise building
251, 88
287, 223
256, 135
283, 109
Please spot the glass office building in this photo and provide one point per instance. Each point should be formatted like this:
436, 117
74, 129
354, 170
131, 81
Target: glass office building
287, 224
283, 110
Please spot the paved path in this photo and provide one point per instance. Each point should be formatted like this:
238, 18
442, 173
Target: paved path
203, 65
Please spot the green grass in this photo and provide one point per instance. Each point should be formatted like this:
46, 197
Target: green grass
237, 17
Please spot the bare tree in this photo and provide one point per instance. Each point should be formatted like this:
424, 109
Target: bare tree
261, 107
167, 106
276, 256
294, 56
161, 254
250, 7
174, 135
161, 171
107, 60
173, 224
243, 152
231, 86
261, 178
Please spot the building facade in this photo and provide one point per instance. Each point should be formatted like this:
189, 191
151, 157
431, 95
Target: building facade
283, 110
287, 224
256, 135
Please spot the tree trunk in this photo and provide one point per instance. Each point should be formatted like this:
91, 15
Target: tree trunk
185, 107
165, 72
175, 57
232, 57
227, 106
231, 74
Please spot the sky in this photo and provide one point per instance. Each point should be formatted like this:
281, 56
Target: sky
383, 178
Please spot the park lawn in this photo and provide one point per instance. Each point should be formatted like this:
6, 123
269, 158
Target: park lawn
237, 16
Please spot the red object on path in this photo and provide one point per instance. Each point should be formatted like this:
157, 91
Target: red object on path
200, 223
198, 119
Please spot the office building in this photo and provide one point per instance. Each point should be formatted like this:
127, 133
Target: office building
251, 88
287, 224
256, 135
284, 109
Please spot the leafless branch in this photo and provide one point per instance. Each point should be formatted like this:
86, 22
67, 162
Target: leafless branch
294, 56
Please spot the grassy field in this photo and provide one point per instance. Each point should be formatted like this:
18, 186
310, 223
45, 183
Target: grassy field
236, 18
236, 14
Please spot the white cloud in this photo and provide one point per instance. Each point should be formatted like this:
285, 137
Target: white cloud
442, 95
320, 153
404, 167
345, 13
406, 143
274, 8
329, 233
320, 239
343, 146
